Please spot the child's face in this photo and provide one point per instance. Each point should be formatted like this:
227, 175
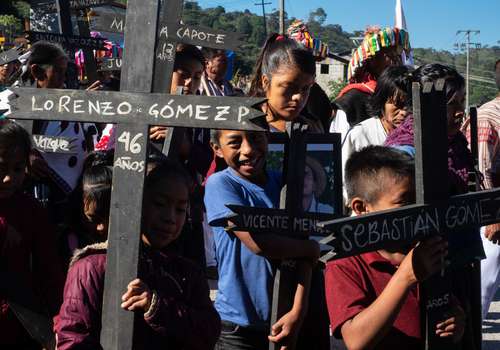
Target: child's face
217, 67
187, 76
52, 76
12, 171
395, 194
164, 212
287, 92
243, 151
95, 224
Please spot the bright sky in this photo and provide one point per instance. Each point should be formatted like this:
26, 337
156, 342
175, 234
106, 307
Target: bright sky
431, 23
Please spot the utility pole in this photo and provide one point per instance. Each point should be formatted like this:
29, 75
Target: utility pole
263, 4
468, 44
282, 17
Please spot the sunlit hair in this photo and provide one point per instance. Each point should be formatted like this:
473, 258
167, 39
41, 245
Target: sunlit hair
280, 52
366, 171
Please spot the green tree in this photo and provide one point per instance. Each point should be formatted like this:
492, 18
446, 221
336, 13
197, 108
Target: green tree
10, 25
244, 26
334, 87
319, 16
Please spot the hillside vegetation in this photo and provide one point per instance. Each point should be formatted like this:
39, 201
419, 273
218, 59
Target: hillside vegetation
250, 24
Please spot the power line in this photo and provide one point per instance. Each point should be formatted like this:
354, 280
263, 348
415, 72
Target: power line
282, 17
484, 82
458, 68
468, 32
263, 4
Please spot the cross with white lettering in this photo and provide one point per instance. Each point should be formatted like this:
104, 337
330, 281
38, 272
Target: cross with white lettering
170, 32
434, 213
133, 109
291, 219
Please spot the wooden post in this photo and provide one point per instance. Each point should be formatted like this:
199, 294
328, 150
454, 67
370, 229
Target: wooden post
290, 220
475, 176
432, 185
134, 108
434, 213
88, 54
125, 220
64, 17
475, 182
285, 280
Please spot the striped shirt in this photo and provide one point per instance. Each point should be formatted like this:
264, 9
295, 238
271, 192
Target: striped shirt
488, 129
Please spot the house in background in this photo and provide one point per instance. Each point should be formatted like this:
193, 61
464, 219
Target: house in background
332, 68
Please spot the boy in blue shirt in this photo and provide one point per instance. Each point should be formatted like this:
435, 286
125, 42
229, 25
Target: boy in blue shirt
245, 271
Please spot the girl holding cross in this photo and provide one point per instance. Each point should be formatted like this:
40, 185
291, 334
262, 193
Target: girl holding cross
170, 295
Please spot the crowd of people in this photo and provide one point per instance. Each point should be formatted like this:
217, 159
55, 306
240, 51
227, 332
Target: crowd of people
54, 211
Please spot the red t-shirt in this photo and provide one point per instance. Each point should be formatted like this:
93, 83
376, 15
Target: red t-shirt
352, 284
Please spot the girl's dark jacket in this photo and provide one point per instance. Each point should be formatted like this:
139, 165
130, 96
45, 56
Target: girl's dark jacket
182, 318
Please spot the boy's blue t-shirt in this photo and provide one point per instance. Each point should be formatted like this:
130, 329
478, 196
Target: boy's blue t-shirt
245, 279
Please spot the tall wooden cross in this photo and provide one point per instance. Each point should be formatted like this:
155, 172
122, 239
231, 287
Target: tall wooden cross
170, 32
291, 219
133, 109
435, 213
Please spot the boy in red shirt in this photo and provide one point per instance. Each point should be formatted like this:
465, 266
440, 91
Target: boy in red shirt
373, 298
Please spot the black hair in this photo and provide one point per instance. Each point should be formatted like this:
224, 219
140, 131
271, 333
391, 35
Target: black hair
393, 84
318, 106
366, 169
215, 136
433, 71
167, 169
280, 51
210, 53
13, 135
42, 53
186, 52
96, 182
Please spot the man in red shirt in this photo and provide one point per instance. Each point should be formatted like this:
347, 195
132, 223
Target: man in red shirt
372, 298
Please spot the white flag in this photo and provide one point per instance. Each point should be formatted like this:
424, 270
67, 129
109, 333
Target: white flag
400, 22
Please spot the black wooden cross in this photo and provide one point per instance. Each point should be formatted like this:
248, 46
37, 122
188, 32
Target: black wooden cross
170, 32
74, 5
291, 219
133, 109
174, 30
434, 213
57, 144
68, 41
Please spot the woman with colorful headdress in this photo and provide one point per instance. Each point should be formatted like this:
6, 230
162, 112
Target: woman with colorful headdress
380, 49
318, 106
